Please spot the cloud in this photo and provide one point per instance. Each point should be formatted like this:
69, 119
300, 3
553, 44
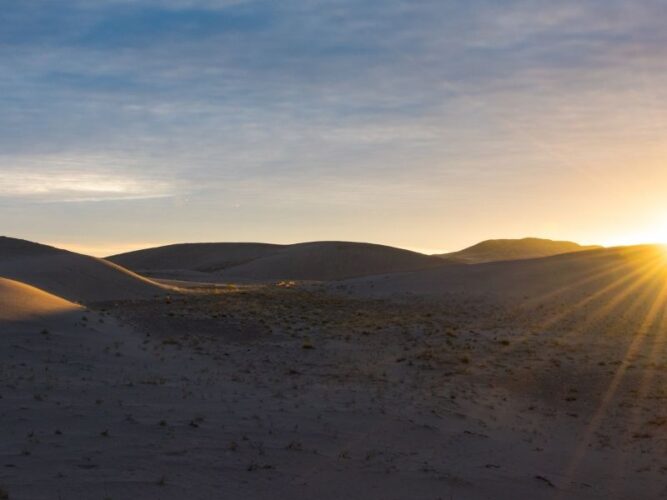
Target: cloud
84, 179
151, 98
162, 4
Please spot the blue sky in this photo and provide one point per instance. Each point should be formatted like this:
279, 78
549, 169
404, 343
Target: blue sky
422, 124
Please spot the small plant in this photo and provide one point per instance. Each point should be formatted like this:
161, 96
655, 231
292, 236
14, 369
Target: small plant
294, 445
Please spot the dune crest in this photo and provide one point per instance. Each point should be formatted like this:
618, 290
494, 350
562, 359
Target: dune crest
199, 257
317, 261
582, 271
70, 275
21, 302
514, 249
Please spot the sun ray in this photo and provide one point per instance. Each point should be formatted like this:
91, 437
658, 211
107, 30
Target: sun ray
607, 397
618, 299
654, 324
636, 304
644, 272
610, 268
588, 278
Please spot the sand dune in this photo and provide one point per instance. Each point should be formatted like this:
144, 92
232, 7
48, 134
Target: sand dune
70, 275
412, 399
263, 391
201, 257
330, 260
513, 249
583, 272
20, 302
320, 261
326, 260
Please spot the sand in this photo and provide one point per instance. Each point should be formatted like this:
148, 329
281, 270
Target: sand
23, 303
330, 261
302, 391
514, 249
570, 274
216, 396
249, 262
197, 257
70, 275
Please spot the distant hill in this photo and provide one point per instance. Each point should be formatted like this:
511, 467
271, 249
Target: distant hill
201, 257
579, 273
70, 275
318, 261
513, 249
331, 260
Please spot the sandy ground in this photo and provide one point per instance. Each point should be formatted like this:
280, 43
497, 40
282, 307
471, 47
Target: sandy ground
286, 392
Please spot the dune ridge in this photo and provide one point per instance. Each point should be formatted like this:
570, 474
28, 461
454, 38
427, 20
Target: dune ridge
318, 261
588, 270
73, 276
514, 249
200, 257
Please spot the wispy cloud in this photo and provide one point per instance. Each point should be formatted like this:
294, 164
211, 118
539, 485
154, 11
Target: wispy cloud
49, 179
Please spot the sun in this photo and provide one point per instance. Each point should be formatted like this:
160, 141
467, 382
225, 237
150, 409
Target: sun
661, 233
654, 233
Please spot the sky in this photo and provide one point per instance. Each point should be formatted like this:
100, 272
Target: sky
423, 124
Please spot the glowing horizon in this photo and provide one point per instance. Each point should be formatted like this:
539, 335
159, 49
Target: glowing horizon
106, 250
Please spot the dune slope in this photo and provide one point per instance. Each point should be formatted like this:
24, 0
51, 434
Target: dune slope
21, 302
513, 249
202, 257
323, 260
580, 273
70, 275
331, 260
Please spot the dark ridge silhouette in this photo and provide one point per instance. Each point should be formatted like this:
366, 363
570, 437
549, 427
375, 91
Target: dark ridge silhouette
202, 257
513, 249
324, 260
